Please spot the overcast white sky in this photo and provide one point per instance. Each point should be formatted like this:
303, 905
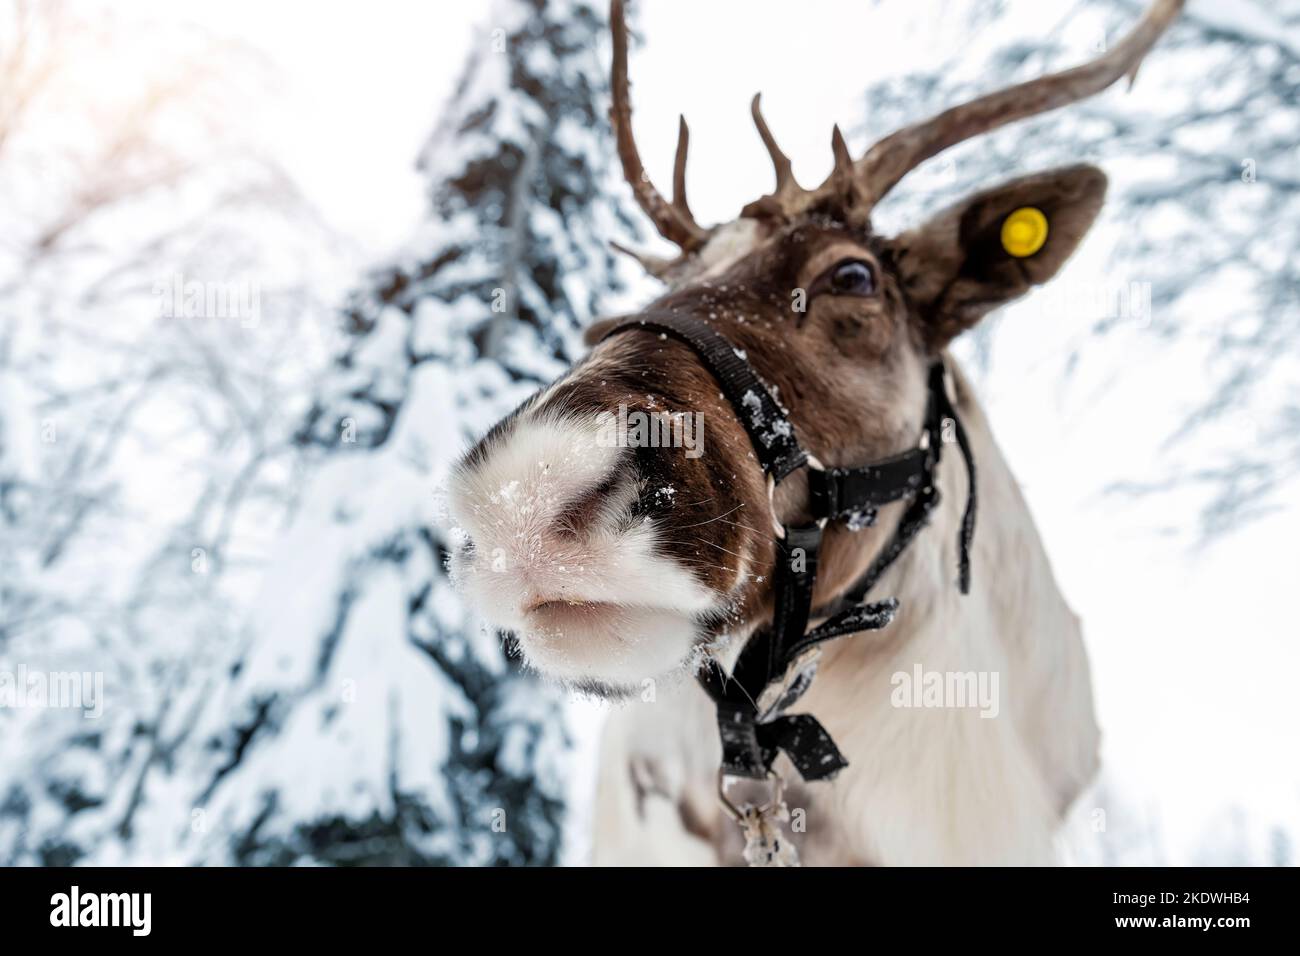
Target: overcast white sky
363, 84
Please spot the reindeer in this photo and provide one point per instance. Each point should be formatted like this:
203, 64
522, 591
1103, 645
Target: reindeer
622, 571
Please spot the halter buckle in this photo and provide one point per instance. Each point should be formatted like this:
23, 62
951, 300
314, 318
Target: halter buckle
736, 813
813, 462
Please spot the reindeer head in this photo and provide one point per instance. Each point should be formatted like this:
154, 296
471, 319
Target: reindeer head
618, 522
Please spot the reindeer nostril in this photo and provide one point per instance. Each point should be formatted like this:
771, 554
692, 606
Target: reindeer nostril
582, 512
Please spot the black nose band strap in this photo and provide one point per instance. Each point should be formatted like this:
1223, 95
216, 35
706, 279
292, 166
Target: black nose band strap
778, 663
770, 432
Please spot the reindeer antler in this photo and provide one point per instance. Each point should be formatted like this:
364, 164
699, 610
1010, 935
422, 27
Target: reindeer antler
788, 193
673, 220
855, 187
893, 157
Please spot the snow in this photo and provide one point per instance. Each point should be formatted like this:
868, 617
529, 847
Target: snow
857, 520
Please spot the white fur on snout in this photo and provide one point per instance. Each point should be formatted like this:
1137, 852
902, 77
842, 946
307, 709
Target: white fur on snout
514, 504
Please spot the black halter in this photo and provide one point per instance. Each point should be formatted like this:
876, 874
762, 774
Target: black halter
778, 663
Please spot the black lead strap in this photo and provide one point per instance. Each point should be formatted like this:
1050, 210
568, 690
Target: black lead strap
776, 666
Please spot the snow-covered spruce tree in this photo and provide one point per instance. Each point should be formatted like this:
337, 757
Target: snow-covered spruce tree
161, 284
371, 720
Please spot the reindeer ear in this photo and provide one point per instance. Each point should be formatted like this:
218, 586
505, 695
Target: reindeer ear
992, 247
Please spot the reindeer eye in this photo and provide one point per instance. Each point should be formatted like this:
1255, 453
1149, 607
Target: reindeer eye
852, 277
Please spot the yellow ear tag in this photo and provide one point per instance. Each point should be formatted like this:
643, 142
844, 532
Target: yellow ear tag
1024, 232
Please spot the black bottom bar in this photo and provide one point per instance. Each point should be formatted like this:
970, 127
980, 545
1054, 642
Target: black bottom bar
369, 906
